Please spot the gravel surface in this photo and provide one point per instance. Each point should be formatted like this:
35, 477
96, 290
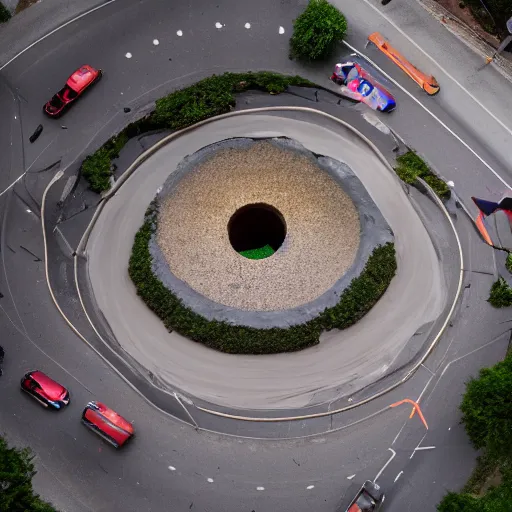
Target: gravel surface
322, 228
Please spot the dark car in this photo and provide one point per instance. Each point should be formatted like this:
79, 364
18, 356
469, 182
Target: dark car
107, 423
369, 499
45, 390
80, 81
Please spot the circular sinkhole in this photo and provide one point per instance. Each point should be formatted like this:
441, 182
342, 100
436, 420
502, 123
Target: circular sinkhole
256, 231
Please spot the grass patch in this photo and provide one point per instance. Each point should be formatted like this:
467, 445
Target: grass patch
209, 97
258, 254
317, 31
5, 14
410, 166
363, 292
501, 294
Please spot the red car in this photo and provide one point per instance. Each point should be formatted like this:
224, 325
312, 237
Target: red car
45, 390
107, 423
83, 78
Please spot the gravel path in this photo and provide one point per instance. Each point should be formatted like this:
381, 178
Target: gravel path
322, 228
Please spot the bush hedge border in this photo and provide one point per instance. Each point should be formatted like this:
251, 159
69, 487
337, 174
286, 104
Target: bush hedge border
207, 98
361, 295
411, 166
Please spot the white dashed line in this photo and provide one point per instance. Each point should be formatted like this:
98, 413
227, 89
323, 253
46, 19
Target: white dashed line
128, 55
172, 468
309, 487
156, 42
351, 476
179, 33
398, 476
281, 30
260, 488
247, 25
218, 25
210, 480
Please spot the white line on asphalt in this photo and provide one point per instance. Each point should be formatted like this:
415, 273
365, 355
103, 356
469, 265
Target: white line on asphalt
399, 432
393, 454
397, 476
309, 487
261, 488
351, 476
28, 169
446, 127
397, 28
76, 18
425, 448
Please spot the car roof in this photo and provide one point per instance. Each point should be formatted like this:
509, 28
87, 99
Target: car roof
114, 418
80, 78
52, 388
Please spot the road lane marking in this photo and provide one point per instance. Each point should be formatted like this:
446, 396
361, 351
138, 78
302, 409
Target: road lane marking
351, 476
76, 18
416, 45
309, 487
260, 488
398, 476
393, 455
425, 448
446, 127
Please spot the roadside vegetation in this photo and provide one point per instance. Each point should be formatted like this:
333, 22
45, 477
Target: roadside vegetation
209, 97
411, 166
317, 31
5, 14
501, 294
500, 10
487, 417
361, 295
508, 262
16, 473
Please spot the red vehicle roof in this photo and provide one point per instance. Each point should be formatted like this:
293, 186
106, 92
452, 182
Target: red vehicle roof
109, 422
53, 390
81, 78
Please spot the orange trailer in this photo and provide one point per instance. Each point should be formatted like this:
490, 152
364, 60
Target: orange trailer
427, 82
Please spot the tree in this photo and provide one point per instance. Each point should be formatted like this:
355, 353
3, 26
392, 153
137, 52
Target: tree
487, 409
16, 473
317, 31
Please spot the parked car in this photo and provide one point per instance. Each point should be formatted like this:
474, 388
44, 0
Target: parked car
79, 82
369, 499
45, 390
107, 423
358, 85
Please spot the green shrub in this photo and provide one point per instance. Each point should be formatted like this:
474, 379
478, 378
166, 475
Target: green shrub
16, 473
355, 302
97, 168
410, 166
317, 31
487, 409
454, 502
5, 14
508, 262
210, 97
501, 294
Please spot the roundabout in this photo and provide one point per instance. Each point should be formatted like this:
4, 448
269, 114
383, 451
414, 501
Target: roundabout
339, 364
129, 359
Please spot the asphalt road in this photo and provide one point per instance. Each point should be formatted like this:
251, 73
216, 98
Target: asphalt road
76, 470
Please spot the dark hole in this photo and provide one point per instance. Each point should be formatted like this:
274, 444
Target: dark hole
256, 226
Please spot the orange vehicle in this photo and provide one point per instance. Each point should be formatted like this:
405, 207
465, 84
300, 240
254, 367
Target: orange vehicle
427, 82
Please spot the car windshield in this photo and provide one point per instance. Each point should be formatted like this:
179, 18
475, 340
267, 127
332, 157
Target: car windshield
56, 102
67, 93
